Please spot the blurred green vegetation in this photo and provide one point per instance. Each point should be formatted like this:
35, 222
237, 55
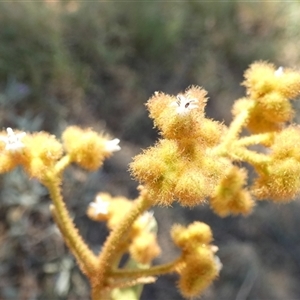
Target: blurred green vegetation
95, 64
91, 60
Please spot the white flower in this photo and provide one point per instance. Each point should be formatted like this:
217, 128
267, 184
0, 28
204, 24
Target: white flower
13, 140
112, 145
184, 105
218, 263
279, 72
100, 206
147, 221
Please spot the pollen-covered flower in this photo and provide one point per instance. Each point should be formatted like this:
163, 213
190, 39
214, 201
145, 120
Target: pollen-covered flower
13, 141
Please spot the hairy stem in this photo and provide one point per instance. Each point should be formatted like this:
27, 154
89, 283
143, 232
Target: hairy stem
62, 164
255, 139
152, 271
235, 128
109, 254
85, 257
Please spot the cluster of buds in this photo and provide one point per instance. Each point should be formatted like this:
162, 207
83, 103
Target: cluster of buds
200, 264
140, 241
39, 153
195, 158
181, 166
269, 91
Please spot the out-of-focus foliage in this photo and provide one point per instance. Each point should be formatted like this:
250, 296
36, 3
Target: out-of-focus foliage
95, 64
106, 58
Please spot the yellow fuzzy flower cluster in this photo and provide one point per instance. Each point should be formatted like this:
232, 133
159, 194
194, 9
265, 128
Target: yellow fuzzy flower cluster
268, 93
87, 148
195, 158
200, 264
141, 241
279, 180
230, 196
39, 153
181, 166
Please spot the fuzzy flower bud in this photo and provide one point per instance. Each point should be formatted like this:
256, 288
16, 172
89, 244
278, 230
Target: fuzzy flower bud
141, 240
287, 144
201, 265
230, 197
87, 148
262, 78
144, 248
269, 91
178, 117
172, 172
42, 151
201, 269
280, 182
197, 233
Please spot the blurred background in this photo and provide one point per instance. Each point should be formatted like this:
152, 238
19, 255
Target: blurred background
95, 64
